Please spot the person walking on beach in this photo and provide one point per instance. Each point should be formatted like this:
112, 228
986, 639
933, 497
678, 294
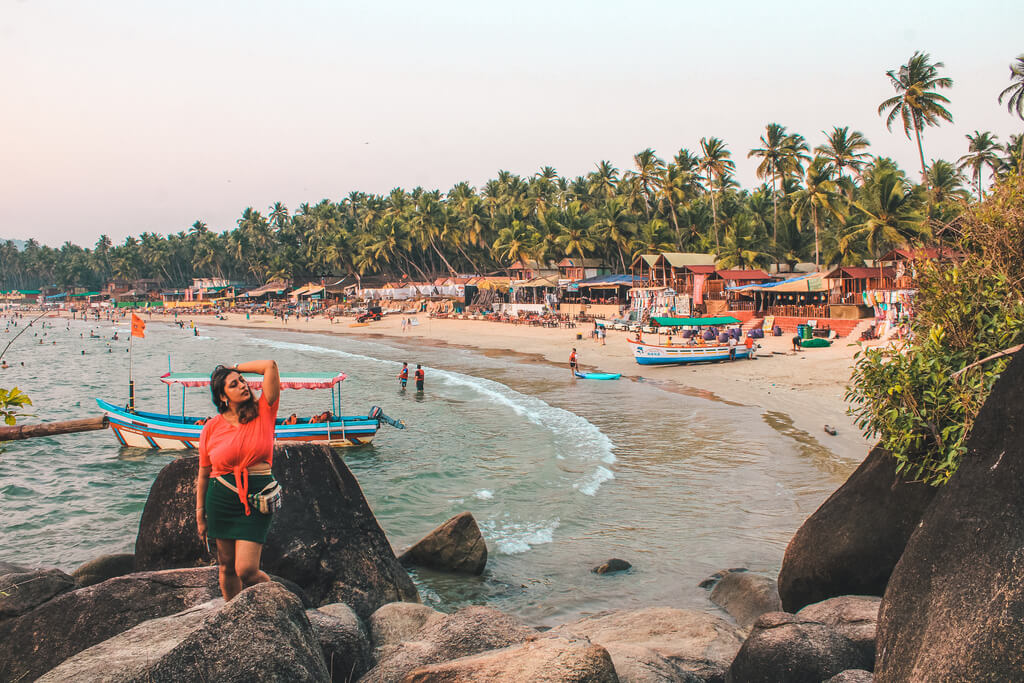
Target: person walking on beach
573, 362
404, 375
749, 343
236, 450
404, 323
419, 378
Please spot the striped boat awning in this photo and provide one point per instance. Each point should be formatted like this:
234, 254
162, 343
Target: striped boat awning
302, 380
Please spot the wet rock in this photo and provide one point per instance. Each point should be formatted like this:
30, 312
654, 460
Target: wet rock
343, 640
469, 631
746, 596
325, 538
717, 576
852, 676
24, 591
547, 660
855, 616
395, 623
12, 568
262, 634
612, 565
784, 647
455, 546
851, 543
953, 607
39, 640
696, 642
103, 568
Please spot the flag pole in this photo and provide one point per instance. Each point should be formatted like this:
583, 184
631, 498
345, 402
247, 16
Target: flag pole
131, 380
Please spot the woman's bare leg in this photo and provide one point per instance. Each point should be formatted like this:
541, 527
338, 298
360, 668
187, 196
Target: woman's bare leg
247, 563
230, 584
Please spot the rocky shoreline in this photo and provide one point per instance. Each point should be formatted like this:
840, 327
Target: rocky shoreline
886, 581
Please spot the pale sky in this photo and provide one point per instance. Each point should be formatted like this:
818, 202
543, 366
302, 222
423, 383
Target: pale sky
122, 116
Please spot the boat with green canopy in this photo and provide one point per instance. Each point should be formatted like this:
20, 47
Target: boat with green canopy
691, 351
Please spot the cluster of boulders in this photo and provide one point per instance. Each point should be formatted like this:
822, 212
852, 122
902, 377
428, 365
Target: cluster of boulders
887, 581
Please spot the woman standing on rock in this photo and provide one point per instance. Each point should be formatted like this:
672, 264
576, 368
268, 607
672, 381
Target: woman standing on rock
236, 449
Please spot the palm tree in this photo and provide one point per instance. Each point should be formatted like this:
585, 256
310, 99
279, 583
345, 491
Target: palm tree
945, 182
651, 238
916, 102
743, 244
716, 162
820, 197
514, 242
982, 151
616, 226
844, 149
781, 154
648, 175
1013, 161
889, 214
1015, 91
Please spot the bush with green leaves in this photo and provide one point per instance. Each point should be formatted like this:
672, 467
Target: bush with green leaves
907, 396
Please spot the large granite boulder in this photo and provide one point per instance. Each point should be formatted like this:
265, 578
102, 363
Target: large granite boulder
395, 623
104, 567
455, 546
638, 664
696, 642
469, 631
746, 596
261, 635
344, 641
954, 609
325, 538
39, 640
851, 543
25, 590
852, 676
855, 616
784, 647
546, 660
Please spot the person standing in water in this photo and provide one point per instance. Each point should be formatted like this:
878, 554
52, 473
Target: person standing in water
573, 362
404, 374
419, 378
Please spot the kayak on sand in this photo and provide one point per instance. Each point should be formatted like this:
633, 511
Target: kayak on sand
598, 375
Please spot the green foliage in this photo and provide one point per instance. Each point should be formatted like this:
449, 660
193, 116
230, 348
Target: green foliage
908, 396
10, 401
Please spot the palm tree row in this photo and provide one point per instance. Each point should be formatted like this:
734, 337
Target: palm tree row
839, 204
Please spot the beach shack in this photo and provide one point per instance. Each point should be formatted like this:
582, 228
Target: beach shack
721, 287
803, 296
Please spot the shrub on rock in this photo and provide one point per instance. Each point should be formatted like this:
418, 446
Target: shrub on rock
325, 538
953, 607
851, 543
784, 647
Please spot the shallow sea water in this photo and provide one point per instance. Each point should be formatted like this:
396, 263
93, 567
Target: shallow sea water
561, 474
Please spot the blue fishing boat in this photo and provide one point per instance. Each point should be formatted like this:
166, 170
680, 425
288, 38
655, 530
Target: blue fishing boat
142, 429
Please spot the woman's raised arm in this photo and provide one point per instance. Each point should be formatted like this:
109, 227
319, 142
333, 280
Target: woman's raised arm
271, 377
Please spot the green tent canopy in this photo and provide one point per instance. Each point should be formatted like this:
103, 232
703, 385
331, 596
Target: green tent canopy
695, 322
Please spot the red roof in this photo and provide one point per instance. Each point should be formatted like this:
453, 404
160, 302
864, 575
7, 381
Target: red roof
860, 273
743, 275
705, 270
934, 253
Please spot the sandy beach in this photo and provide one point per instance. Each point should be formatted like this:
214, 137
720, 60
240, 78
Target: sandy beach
798, 393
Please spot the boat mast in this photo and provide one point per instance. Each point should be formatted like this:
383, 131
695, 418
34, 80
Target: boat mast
131, 380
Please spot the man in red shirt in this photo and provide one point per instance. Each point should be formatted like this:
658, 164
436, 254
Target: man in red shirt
419, 378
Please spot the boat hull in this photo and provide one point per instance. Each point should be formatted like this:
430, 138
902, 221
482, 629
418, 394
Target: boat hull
156, 430
657, 354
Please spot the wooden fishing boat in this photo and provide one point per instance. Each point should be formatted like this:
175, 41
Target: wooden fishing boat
675, 354
142, 429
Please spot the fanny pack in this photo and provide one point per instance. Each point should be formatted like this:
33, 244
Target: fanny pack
266, 502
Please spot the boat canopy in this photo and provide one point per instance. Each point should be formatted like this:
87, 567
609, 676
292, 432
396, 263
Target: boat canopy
695, 322
300, 380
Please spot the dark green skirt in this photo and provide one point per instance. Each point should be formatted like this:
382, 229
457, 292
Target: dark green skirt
225, 514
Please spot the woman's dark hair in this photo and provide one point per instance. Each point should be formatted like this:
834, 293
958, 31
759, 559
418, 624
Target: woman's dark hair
247, 412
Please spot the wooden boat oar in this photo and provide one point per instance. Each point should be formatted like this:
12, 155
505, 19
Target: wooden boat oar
87, 424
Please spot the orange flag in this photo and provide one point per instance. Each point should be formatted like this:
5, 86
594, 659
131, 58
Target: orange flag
138, 326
